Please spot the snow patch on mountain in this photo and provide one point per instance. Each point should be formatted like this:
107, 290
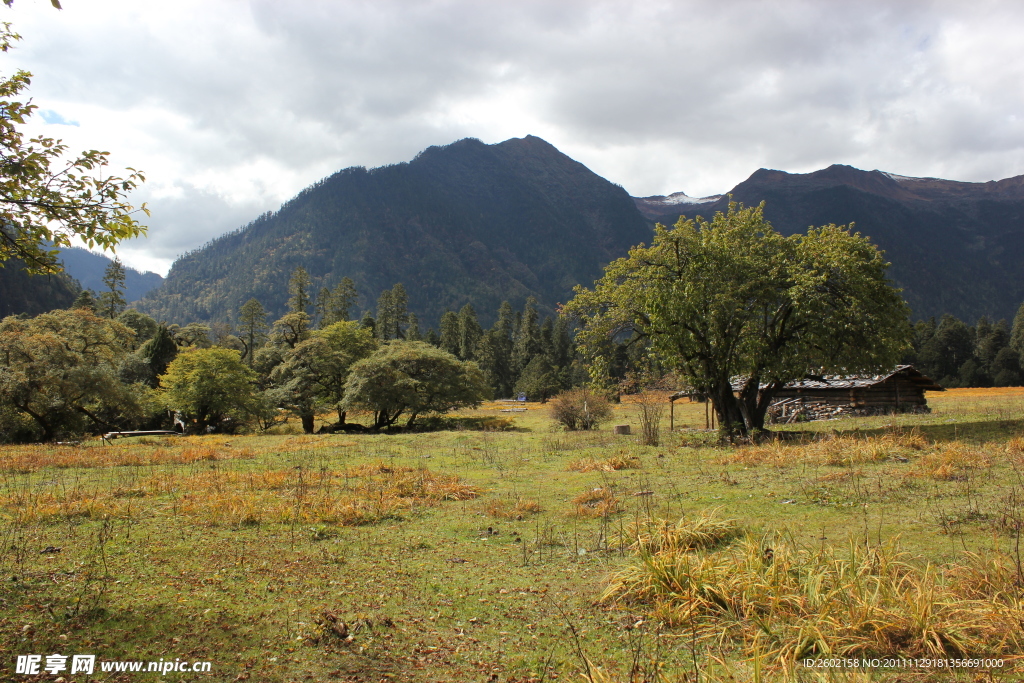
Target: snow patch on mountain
677, 198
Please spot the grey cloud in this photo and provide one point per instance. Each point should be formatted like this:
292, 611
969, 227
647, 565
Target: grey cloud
657, 96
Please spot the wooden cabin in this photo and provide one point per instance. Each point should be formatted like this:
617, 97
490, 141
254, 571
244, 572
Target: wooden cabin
899, 391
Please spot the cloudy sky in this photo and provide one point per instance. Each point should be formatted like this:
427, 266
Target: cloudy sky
231, 107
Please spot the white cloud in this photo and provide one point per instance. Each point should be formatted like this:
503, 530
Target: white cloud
232, 107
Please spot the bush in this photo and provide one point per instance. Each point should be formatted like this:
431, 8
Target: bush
580, 409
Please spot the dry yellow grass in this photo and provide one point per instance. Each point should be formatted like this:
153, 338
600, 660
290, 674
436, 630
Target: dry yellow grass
954, 462
23, 459
358, 496
783, 602
505, 509
618, 462
831, 450
703, 531
599, 502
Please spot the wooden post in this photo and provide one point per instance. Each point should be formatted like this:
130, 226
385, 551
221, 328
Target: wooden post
671, 415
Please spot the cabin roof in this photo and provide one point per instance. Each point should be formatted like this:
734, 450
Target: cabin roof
908, 372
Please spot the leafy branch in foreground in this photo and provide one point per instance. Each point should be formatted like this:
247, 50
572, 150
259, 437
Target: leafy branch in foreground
46, 199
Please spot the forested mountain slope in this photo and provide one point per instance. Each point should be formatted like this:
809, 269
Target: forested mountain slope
88, 267
955, 247
33, 294
467, 222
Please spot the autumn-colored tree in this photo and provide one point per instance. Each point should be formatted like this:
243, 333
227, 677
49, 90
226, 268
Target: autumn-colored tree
731, 301
47, 199
208, 385
60, 369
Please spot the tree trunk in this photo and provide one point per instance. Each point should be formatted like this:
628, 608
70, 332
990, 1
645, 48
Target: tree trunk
727, 408
754, 401
341, 416
43, 423
307, 422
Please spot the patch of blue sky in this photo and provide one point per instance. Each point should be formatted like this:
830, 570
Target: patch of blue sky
51, 116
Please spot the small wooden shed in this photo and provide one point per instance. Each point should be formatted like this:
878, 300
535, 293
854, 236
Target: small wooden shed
899, 391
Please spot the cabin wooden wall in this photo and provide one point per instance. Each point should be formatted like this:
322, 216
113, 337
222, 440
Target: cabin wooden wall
895, 394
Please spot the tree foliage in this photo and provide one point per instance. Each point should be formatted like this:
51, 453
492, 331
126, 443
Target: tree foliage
312, 375
413, 378
112, 301
60, 369
48, 199
252, 328
206, 386
732, 299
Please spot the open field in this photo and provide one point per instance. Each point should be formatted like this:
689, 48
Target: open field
512, 554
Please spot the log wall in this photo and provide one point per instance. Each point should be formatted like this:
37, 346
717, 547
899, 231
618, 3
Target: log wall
895, 394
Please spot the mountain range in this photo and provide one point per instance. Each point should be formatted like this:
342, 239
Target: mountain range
34, 294
475, 223
955, 247
463, 223
88, 268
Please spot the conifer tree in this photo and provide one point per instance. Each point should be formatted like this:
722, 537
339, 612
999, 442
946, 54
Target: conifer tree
382, 329
85, 299
252, 328
469, 333
321, 308
159, 351
526, 343
494, 352
343, 298
298, 287
112, 300
368, 322
412, 333
450, 333
392, 312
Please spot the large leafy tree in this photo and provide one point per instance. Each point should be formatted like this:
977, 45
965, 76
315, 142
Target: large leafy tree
208, 385
47, 199
732, 300
413, 378
312, 375
61, 369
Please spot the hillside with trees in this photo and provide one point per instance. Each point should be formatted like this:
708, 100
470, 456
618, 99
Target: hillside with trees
956, 248
21, 292
88, 268
464, 223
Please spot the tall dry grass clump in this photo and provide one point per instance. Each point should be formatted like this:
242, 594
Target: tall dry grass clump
580, 409
704, 531
513, 510
954, 461
612, 464
599, 502
775, 599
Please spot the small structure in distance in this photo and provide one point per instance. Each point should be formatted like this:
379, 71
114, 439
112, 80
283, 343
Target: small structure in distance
823, 397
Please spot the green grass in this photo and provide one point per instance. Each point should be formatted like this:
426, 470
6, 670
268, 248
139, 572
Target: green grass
229, 548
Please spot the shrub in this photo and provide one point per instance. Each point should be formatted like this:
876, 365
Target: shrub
580, 409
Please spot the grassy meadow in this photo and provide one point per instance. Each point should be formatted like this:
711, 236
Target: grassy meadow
505, 549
